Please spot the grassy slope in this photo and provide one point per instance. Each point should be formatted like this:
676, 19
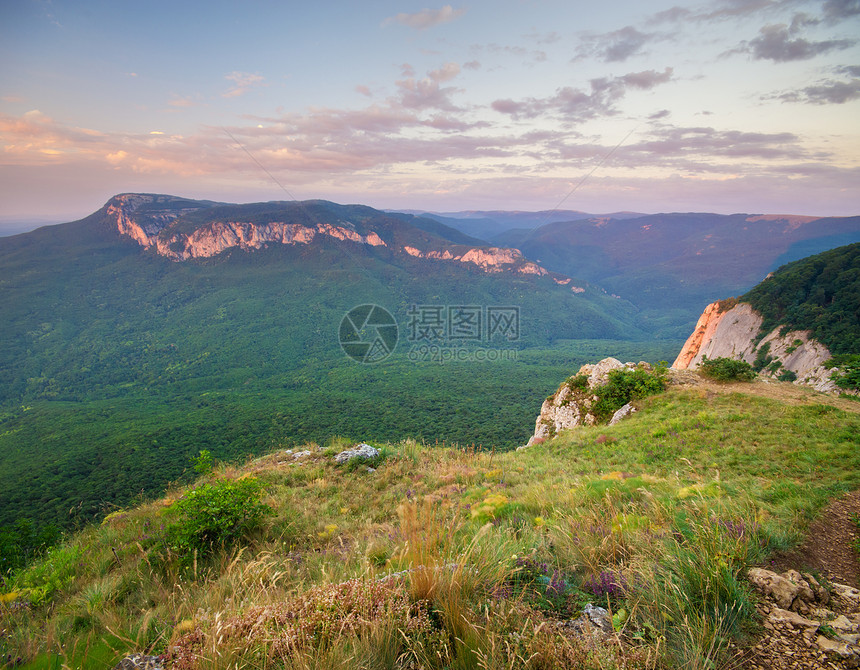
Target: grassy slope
674, 502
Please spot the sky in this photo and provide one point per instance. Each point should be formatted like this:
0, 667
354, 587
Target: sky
649, 106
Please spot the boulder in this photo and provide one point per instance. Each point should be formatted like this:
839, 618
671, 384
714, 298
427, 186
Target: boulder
362, 450
622, 413
780, 589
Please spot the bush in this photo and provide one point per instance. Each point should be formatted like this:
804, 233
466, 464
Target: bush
727, 369
215, 515
621, 387
763, 358
848, 375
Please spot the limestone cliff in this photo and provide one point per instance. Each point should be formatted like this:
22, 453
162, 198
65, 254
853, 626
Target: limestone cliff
733, 333
151, 221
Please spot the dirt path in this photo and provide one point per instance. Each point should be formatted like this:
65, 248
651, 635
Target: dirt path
829, 544
828, 550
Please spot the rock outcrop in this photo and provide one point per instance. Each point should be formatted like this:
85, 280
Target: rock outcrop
362, 451
732, 333
149, 220
570, 406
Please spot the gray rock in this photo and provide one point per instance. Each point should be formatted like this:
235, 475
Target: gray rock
778, 615
622, 413
782, 590
594, 621
140, 662
358, 451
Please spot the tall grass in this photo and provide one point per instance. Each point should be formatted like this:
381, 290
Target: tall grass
454, 558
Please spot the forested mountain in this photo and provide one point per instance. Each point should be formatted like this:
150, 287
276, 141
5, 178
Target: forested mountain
160, 326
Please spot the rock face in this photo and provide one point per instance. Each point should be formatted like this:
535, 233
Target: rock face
570, 405
731, 333
149, 220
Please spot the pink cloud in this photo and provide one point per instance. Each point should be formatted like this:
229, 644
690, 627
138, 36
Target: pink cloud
242, 83
426, 18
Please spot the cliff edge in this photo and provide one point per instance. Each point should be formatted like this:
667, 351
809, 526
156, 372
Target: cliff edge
734, 333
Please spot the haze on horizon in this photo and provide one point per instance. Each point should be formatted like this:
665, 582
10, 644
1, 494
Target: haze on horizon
728, 106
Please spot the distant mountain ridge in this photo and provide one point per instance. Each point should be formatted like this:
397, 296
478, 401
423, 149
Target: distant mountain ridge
671, 265
182, 229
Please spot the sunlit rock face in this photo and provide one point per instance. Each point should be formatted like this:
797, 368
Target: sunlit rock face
732, 333
148, 219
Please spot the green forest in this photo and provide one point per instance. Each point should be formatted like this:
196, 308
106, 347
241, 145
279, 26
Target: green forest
820, 293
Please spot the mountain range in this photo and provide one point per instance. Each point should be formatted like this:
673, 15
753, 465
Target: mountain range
668, 265
160, 326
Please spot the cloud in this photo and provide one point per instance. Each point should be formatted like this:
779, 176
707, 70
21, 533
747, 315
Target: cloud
836, 10
577, 104
616, 46
426, 18
677, 142
180, 101
472, 65
520, 53
242, 83
364, 90
826, 92
778, 43
426, 93
543, 38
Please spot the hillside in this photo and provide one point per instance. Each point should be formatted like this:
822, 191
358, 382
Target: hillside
440, 557
669, 265
790, 325
119, 363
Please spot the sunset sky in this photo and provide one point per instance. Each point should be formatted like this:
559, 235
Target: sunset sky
729, 106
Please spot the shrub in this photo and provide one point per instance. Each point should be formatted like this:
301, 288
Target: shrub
621, 387
49, 575
762, 358
577, 382
204, 463
726, 369
848, 375
215, 515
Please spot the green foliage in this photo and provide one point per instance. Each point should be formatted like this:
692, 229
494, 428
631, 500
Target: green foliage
578, 382
726, 369
204, 462
102, 452
762, 358
51, 574
22, 542
820, 293
848, 375
214, 516
787, 376
621, 387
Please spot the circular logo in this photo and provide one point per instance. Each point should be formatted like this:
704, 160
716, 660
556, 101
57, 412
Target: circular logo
368, 333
